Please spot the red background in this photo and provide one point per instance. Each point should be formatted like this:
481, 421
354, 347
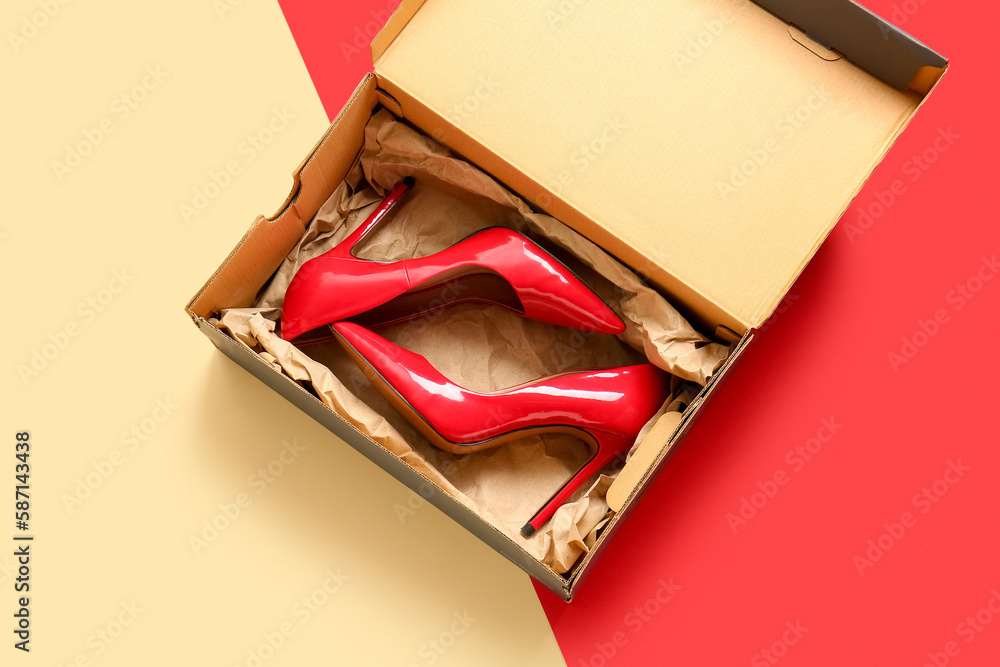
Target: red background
825, 355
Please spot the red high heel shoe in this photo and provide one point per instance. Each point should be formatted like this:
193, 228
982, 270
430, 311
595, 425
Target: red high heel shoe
497, 265
604, 408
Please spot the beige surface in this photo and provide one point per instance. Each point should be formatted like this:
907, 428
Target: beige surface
111, 230
706, 138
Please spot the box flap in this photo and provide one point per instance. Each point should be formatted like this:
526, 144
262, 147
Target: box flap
868, 41
715, 143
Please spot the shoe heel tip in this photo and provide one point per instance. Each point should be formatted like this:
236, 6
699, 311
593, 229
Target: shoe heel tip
527, 530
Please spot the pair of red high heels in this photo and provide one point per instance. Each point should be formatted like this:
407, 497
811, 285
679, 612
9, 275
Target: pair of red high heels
605, 408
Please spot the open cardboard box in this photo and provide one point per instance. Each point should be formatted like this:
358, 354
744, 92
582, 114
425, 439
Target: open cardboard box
710, 145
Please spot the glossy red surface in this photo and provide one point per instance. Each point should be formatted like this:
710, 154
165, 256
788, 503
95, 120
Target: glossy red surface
337, 285
608, 407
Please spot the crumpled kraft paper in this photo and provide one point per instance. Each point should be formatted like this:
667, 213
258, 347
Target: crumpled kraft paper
482, 347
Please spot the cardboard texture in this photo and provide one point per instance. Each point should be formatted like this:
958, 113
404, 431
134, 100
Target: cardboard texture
717, 169
714, 172
642, 458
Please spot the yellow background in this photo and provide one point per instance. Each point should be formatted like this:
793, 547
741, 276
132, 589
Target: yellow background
141, 431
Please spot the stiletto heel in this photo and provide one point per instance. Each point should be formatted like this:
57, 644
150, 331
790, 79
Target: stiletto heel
606, 408
606, 449
495, 265
345, 248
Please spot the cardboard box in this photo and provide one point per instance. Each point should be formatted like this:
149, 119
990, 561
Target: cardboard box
711, 145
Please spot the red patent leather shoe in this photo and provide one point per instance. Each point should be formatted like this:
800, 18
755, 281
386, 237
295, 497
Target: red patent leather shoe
496, 265
604, 408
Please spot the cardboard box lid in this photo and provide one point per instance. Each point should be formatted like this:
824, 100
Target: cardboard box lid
713, 140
